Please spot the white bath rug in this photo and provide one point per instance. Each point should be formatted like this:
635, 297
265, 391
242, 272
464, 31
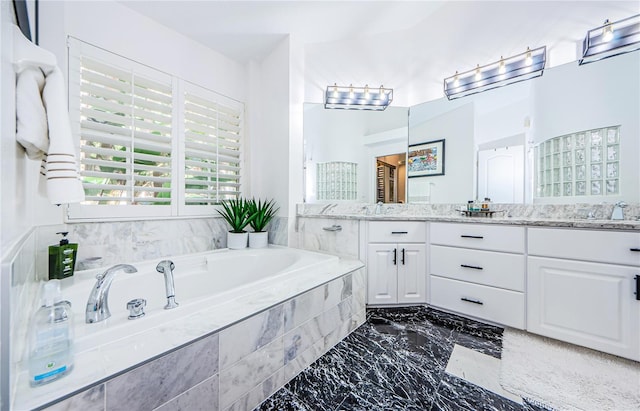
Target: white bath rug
567, 377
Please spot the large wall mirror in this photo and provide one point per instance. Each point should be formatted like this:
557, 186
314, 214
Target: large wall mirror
355, 155
570, 136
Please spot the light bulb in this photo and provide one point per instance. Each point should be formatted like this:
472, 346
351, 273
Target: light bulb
478, 74
607, 31
366, 91
501, 68
351, 94
335, 89
383, 96
456, 80
528, 59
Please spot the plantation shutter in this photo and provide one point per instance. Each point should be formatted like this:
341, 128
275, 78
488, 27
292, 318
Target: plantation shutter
125, 132
212, 148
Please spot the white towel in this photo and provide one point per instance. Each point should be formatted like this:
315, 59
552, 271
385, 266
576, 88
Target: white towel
59, 164
63, 180
31, 118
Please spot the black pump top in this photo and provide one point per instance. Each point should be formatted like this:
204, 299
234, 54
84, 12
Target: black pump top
64, 240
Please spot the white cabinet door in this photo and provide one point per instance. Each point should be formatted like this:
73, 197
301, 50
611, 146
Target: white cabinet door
382, 274
589, 304
412, 273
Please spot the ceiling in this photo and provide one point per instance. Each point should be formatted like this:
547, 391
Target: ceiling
401, 40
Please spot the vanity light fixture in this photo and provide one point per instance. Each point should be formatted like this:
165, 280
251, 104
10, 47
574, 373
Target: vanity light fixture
357, 98
611, 39
523, 66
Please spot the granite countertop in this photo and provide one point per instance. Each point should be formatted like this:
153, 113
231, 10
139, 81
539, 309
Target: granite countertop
632, 225
569, 216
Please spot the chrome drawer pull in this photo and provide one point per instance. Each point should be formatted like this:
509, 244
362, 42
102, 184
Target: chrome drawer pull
334, 227
471, 266
399, 232
472, 301
472, 236
635, 249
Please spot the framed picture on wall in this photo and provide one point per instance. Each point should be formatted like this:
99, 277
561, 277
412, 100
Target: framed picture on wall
426, 159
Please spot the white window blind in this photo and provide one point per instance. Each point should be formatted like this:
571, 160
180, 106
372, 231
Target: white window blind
213, 147
151, 144
125, 136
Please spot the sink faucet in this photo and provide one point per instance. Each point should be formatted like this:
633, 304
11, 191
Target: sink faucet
618, 211
166, 267
98, 303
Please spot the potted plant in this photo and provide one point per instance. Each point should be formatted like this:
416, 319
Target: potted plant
237, 214
262, 212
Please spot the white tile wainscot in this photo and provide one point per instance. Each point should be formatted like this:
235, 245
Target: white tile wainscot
238, 367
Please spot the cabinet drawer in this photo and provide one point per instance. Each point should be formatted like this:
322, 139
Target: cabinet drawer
397, 232
480, 267
493, 304
589, 245
479, 236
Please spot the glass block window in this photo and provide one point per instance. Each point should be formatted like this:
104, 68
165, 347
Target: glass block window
337, 180
586, 163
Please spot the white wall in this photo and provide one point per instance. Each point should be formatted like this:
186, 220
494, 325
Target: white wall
456, 185
570, 100
115, 27
16, 202
269, 112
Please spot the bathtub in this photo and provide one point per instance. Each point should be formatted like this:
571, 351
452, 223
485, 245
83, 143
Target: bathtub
214, 290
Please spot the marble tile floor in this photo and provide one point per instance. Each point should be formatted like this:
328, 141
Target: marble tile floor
413, 358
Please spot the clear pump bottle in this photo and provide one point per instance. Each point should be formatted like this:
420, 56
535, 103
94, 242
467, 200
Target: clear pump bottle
51, 338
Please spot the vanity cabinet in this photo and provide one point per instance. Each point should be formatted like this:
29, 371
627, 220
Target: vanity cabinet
478, 270
396, 262
582, 288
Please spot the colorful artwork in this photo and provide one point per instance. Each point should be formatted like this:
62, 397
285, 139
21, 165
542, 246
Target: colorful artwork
426, 159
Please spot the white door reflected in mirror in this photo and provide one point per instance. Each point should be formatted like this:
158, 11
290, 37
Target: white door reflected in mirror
501, 174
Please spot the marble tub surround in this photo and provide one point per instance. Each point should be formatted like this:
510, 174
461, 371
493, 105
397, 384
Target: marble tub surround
553, 215
141, 240
20, 288
313, 236
398, 360
238, 367
103, 362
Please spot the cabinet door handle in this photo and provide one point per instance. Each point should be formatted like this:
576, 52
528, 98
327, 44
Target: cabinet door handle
472, 301
395, 256
403, 256
399, 232
637, 293
472, 236
635, 249
475, 267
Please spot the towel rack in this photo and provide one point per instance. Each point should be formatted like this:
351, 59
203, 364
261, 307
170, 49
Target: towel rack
26, 54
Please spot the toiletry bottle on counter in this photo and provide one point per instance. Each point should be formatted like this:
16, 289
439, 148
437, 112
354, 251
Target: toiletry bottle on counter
62, 258
51, 338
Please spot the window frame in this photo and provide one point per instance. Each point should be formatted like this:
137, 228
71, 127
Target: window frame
178, 208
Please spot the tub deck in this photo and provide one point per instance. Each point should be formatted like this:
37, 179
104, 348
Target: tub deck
115, 345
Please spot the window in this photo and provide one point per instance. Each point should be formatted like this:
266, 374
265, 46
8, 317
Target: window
151, 144
586, 163
212, 151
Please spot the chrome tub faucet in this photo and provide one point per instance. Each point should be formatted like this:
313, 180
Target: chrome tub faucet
618, 210
166, 267
98, 304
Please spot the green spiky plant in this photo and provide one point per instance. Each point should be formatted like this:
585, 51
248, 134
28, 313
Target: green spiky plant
263, 212
237, 214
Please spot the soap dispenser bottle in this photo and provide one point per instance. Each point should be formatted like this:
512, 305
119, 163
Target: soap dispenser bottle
51, 338
62, 258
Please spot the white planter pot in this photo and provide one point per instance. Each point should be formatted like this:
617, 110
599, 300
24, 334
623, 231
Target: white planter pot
258, 239
237, 241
